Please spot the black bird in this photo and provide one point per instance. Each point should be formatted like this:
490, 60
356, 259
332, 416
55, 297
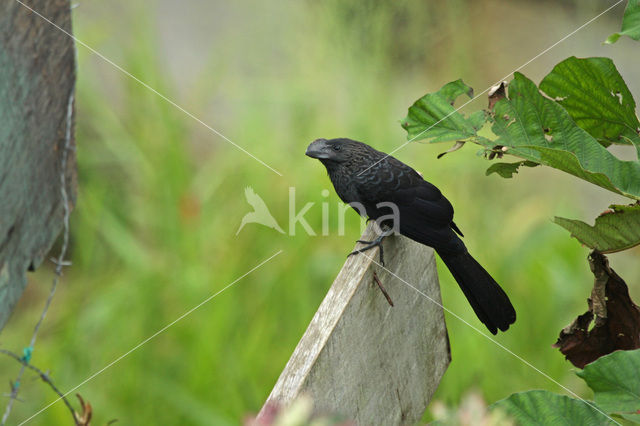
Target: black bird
365, 177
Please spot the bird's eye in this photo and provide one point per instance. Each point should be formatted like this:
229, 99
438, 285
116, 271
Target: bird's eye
336, 147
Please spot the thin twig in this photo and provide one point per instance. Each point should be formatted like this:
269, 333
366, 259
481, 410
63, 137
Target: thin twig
45, 378
377, 281
59, 261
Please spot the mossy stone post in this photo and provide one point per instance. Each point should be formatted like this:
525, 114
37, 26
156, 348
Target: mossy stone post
37, 77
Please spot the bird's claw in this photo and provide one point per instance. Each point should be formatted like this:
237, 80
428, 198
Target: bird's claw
370, 245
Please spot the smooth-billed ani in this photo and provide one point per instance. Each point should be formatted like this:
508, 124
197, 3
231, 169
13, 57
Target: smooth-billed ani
363, 175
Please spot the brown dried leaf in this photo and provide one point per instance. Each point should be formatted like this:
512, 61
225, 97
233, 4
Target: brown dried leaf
497, 151
84, 418
455, 147
496, 93
612, 314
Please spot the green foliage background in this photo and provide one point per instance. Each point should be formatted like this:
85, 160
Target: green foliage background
160, 197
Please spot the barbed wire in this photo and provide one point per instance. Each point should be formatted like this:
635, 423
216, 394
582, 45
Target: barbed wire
44, 376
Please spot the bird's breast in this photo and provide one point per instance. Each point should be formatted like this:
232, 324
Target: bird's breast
345, 188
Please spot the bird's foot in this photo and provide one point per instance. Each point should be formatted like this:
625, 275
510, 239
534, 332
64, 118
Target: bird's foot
369, 245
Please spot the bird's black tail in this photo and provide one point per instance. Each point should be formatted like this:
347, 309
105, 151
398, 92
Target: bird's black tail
490, 303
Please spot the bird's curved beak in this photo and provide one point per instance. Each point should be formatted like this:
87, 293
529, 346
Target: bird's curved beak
318, 149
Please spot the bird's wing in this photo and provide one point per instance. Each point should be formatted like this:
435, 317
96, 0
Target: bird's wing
426, 216
381, 179
426, 202
394, 181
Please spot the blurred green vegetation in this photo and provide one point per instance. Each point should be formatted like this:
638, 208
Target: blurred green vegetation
161, 197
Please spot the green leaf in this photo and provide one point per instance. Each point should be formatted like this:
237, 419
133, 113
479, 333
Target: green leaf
507, 170
615, 380
540, 407
569, 163
613, 231
630, 23
433, 116
597, 98
538, 129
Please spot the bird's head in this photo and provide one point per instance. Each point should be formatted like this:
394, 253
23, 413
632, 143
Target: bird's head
333, 150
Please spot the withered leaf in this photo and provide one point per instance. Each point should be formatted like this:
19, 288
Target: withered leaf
455, 147
496, 93
614, 318
84, 418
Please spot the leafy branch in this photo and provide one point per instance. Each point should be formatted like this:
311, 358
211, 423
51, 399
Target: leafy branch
527, 123
581, 107
567, 122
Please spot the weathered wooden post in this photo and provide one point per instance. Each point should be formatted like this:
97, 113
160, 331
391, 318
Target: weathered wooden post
37, 76
364, 359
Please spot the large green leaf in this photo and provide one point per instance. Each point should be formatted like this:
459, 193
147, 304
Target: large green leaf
434, 117
597, 98
615, 380
630, 23
568, 162
538, 129
613, 231
540, 407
